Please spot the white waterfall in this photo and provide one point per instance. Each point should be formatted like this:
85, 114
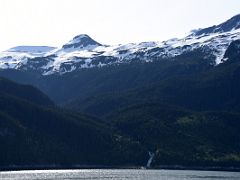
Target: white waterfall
151, 156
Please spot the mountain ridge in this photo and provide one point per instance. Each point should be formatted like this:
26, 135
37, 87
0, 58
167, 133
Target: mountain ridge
233, 23
83, 52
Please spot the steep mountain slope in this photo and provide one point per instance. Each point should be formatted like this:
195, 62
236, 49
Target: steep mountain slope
26, 92
95, 81
33, 135
229, 25
205, 135
215, 89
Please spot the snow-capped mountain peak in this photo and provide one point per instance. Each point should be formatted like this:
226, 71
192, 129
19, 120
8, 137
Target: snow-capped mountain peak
81, 41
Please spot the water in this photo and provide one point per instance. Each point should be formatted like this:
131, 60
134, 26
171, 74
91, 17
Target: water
97, 174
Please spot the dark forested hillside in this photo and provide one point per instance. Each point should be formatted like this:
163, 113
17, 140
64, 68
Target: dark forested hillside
25, 92
34, 133
182, 137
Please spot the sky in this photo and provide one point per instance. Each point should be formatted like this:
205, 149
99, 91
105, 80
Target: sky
55, 22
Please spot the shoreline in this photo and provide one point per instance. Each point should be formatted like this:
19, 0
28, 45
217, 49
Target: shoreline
79, 167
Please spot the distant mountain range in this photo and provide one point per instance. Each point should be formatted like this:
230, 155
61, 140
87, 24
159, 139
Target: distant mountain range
84, 52
112, 105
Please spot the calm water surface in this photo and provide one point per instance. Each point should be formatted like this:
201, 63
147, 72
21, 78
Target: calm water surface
118, 175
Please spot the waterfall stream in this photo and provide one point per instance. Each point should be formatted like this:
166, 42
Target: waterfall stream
151, 156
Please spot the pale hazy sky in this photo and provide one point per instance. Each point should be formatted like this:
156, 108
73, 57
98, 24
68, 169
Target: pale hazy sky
54, 22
